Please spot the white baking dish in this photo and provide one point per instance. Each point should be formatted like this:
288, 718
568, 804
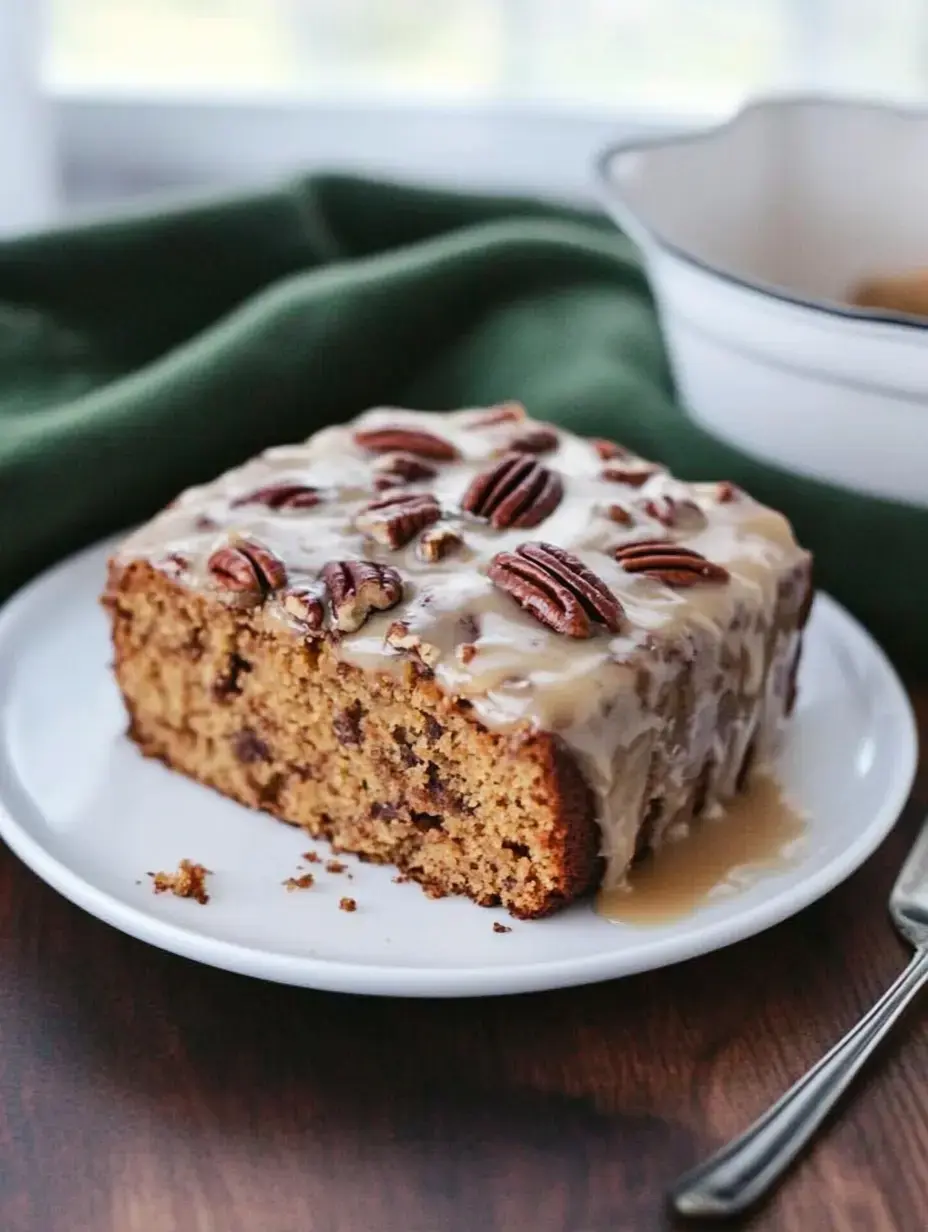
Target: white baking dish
754, 232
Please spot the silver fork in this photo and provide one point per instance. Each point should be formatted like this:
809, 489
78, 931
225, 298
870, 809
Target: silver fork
745, 1170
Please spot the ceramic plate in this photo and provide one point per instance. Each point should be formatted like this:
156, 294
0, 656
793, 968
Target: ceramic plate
87, 813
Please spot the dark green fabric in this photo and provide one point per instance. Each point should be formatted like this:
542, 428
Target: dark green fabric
141, 355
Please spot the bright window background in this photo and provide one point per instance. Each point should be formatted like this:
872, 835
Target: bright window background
668, 55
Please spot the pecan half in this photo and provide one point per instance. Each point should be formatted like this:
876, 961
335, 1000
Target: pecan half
506, 412
304, 603
608, 450
669, 563
356, 588
535, 440
557, 588
517, 491
232, 569
635, 474
283, 495
272, 569
406, 440
437, 543
404, 466
673, 511
395, 519
247, 567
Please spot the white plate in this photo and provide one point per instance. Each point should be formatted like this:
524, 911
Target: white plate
90, 816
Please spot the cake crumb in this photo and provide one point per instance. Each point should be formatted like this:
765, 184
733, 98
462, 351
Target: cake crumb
299, 883
335, 866
501, 928
189, 881
347, 904
311, 857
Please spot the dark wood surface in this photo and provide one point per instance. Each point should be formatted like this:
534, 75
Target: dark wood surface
142, 1093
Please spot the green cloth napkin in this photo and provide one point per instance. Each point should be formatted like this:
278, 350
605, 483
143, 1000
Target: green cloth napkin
140, 355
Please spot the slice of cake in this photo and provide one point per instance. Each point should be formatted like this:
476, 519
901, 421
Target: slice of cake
506, 659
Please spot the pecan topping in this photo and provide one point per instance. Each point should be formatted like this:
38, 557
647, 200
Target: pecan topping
618, 513
395, 519
406, 440
669, 563
283, 495
399, 635
405, 467
517, 491
634, 474
383, 483
673, 511
557, 588
506, 412
305, 604
272, 569
535, 440
247, 567
726, 492
608, 450
437, 543
357, 588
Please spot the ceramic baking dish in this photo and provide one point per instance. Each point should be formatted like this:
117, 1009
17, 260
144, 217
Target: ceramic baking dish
754, 233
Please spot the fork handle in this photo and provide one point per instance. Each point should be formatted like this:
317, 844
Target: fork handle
742, 1172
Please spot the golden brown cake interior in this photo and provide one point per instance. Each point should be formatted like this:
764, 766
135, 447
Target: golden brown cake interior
386, 767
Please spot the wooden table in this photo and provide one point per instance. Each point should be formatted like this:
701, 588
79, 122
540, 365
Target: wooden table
142, 1093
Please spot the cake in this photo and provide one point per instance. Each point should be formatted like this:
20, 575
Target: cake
504, 658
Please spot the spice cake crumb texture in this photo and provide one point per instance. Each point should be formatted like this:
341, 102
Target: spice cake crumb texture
505, 659
304, 882
188, 881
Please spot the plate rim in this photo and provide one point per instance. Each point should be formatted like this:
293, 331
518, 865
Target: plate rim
396, 979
